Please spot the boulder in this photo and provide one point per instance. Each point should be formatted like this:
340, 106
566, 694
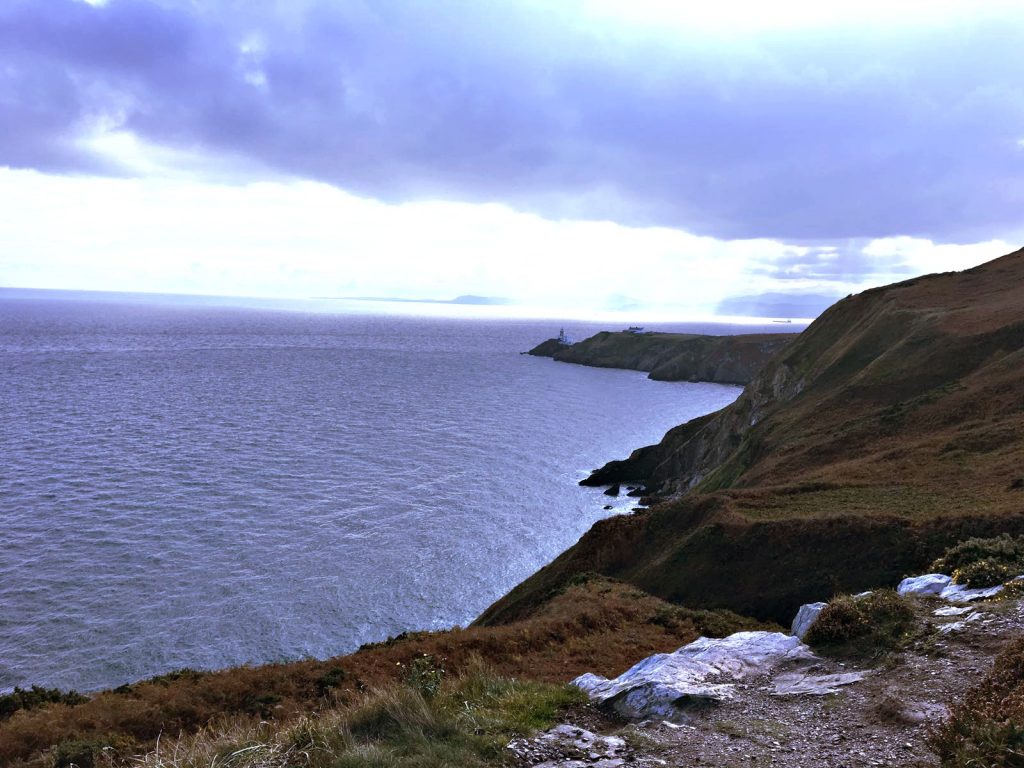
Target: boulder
705, 671
805, 617
612, 490
929, 584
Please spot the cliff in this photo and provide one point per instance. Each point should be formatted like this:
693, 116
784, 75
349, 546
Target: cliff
673, 356
891, 427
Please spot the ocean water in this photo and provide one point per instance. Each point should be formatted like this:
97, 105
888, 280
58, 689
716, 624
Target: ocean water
207, 486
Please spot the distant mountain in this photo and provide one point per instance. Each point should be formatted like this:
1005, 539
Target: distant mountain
467, 299
777, 305
485, 300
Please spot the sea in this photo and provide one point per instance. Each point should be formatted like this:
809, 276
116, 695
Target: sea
185, 483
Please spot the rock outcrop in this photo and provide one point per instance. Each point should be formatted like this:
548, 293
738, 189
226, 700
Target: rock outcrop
708, 670
940, 585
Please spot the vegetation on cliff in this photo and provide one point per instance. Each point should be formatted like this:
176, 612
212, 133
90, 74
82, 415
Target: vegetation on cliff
888, 430
590, 624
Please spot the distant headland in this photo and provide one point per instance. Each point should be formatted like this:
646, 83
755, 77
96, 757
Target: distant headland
672, 356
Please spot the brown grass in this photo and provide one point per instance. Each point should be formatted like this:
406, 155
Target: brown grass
987, 727
595, 625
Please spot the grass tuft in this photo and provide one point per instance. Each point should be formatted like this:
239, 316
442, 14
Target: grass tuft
467, 722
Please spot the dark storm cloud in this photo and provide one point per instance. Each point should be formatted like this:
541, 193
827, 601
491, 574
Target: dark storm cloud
841, 135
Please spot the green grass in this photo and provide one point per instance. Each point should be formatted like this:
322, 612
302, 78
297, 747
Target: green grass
467, 722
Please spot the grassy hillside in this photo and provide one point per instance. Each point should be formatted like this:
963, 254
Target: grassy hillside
891, 427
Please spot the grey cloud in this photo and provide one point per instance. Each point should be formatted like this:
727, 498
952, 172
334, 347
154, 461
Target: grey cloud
847, 135
842, 262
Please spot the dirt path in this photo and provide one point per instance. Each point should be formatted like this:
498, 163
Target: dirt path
884, 720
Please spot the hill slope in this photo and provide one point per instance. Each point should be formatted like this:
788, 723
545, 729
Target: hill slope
891, 427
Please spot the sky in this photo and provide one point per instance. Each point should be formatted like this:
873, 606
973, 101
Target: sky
584, 155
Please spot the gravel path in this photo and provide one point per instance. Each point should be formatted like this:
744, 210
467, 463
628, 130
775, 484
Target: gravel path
884, 720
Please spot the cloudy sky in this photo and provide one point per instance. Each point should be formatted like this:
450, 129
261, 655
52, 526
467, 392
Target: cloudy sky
582, 154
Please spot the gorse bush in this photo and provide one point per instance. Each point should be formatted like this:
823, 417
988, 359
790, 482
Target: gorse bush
867, 626
984, 573
34, 697
1005, 550
987, 727
92, 753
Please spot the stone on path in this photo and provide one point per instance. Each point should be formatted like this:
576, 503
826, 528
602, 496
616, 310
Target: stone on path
797, 684
567, 746
958, 593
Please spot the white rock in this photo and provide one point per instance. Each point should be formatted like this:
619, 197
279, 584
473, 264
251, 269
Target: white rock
952, 610
929, 584
805, 617
795, 684
569, 746
959, 626
656, 685
958, 593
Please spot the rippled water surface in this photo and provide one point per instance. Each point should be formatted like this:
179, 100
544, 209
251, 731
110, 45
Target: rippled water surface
207, 486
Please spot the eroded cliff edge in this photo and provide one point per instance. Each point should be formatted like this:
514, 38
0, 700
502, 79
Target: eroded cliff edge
673, 356
891, 427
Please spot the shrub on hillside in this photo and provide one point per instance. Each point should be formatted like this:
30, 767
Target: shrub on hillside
984, 573
35, 697
92, 753
987, 727
867, 625
1006, 550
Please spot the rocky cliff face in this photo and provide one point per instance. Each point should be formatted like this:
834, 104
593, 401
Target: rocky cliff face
891, 427
673, 356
